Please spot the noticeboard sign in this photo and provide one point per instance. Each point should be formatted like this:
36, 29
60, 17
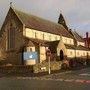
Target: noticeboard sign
30, 55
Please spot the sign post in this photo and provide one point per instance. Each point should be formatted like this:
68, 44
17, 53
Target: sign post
49, 66
49, 71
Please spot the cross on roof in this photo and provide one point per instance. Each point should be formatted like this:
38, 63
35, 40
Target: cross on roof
10, 4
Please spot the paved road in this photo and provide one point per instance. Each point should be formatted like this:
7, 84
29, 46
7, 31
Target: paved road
77, 80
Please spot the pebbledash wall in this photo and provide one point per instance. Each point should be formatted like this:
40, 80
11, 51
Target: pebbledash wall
32, 33
77, 53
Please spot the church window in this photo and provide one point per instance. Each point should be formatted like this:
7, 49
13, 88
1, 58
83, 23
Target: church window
70, 41
33, 34
71, 53
65, 40
83, 53
49, 37
77, 53
11, 37
36, 35
43, 36
55, 37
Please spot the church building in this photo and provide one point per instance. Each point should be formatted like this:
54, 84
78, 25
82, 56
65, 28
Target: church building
22, 34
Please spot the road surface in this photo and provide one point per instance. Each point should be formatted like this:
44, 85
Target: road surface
71, 80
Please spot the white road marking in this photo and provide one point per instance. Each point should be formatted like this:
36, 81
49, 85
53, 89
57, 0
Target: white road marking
61, 79
80, 81
69, 80
85, 74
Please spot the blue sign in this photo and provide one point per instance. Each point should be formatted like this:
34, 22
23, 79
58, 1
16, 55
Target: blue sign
30, 55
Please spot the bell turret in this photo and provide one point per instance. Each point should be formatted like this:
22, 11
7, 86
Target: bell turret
61, 21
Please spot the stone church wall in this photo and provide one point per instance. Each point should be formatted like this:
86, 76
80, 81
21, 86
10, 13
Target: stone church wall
11, 56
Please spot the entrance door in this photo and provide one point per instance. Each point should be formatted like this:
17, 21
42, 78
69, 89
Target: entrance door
61, 55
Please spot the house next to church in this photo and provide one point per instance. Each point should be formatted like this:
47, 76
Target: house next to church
87, 40
22, 32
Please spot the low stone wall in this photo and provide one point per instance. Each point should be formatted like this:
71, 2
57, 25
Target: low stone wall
44, 66
19, 69
24, 69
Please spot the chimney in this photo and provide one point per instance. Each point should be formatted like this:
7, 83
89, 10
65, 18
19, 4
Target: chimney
87, 42
86, 35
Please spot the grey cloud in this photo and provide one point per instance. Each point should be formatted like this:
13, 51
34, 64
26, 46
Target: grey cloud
76, 12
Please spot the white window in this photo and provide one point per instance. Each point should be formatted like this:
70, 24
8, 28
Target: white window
55, 37
50, 37
43, 36
71, 53
36, 34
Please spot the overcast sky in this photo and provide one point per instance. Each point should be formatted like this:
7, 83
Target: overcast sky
76, 12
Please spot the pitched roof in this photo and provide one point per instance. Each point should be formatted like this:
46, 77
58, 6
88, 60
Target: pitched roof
82, 48
77, 36
40, 24
37, 41
70, 46
77, 48
53, 45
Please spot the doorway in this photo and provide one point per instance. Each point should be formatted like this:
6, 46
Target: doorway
61, 55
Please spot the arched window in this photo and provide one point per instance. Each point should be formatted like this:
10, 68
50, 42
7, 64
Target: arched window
61, 55
11, 37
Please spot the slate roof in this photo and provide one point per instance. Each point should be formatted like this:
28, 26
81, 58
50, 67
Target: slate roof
37, 41
77, 36
34, 22
82, 48
77, 47
53, 45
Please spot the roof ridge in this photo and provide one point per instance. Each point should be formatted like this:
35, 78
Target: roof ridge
37, 17
41, 24
78, 34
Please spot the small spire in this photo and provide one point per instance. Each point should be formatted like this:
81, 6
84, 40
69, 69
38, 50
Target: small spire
62, 21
